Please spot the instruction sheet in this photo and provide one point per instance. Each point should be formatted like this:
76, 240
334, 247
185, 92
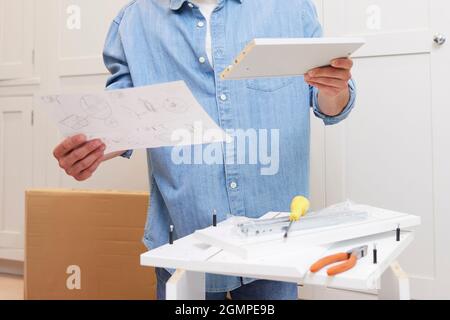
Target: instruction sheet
154, 116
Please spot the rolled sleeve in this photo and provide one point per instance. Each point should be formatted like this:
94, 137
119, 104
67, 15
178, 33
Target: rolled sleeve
331, 120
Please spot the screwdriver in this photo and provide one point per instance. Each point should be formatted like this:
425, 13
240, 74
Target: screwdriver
299, 207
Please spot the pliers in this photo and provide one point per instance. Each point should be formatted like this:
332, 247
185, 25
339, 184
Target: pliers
350, 258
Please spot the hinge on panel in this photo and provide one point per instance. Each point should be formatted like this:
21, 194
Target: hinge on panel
33, 56
32, 117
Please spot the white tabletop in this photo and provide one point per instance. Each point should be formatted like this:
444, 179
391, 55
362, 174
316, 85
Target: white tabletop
289, 265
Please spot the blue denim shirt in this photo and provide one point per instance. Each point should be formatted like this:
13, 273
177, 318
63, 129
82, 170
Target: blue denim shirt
155, 41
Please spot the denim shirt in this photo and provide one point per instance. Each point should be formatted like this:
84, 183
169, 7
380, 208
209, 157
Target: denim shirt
155, 41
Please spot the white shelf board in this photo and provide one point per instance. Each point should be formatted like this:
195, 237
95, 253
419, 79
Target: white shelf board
288, 56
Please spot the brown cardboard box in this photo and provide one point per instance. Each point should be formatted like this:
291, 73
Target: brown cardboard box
86, 245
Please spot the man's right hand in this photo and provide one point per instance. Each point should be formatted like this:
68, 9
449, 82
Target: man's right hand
78, 157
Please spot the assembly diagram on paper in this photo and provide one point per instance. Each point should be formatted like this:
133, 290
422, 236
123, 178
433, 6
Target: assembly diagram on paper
146, 117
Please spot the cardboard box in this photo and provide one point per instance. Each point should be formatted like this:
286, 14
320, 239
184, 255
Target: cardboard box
86, 245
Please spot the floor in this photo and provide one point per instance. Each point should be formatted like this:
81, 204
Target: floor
11, 287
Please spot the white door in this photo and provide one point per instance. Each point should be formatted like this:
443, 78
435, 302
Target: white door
393, 151
16, 38
86, 22
15, 173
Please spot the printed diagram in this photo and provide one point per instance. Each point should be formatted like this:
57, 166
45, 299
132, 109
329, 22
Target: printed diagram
175, 105
75, 122
190, 128
116, 94
138, 137
160, 132
98, 108
148, 106
111, 140
154, 116
144, 107
95, 108
51, 100
141, 110
163, 134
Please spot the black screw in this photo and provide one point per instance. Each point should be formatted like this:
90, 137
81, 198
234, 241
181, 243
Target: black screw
375, 257
171, 234
214, 218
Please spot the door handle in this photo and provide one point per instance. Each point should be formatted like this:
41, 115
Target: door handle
440, 39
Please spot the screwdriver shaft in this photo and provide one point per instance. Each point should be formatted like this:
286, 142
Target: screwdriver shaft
288, 229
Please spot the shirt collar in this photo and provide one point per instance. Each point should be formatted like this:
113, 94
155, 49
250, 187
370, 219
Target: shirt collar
177, 4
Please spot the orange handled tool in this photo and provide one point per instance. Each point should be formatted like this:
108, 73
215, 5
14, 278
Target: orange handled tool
350, 258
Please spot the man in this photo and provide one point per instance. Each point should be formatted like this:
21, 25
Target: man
155, 41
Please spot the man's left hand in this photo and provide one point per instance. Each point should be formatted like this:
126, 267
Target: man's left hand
331, 80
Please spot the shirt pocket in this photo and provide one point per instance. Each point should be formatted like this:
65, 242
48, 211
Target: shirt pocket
268, 84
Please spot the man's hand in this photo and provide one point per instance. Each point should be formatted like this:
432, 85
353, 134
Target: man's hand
79, 157
332, 82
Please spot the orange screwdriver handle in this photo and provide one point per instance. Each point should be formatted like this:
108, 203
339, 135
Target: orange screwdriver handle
328, 260
342, 267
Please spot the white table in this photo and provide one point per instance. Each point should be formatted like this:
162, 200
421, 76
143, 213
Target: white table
192, 259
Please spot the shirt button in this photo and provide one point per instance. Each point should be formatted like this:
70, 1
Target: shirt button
233, 185
202, 60
190, 5
223, 97
200, 24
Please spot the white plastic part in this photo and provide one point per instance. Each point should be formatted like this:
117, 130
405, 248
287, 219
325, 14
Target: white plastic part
343, 213
226, 237
279, 57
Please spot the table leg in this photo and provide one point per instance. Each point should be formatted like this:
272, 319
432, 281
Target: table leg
186, 285
394, 284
